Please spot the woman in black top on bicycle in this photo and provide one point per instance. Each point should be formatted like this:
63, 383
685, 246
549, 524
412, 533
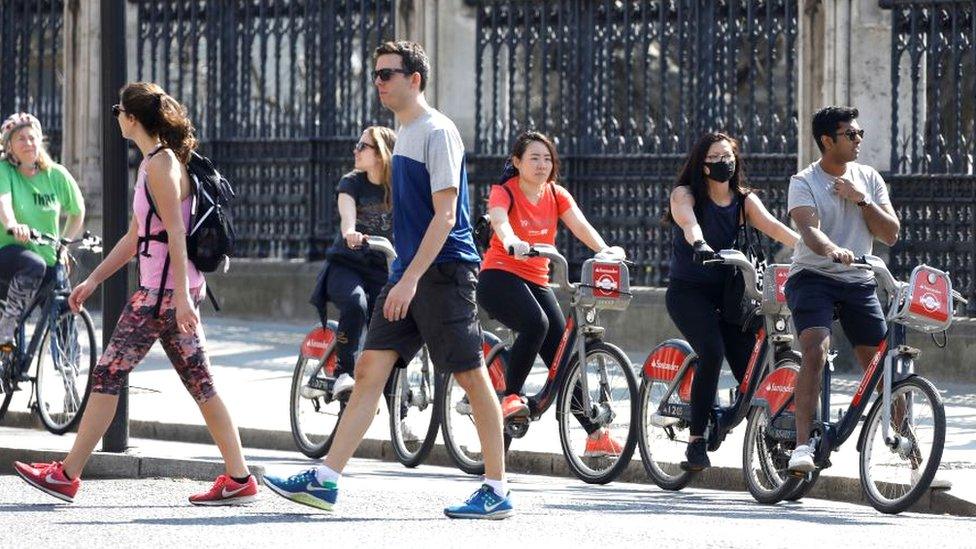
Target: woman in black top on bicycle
353, 276
704, 209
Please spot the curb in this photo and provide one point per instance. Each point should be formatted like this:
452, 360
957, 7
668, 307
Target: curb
125, 466
829, 488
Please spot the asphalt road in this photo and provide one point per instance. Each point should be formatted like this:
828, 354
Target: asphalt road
383, 505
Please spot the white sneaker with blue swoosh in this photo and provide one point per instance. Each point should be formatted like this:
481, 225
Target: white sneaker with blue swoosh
304, 488
483, 504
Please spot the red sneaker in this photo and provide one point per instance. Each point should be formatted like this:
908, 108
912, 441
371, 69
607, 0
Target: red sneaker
225, 491
514, 406
603, 446
49, 478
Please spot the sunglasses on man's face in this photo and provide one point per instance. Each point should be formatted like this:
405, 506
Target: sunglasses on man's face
362, 146
116, 109
852, 134
386, 74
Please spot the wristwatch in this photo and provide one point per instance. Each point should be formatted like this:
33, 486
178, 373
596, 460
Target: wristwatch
865, 202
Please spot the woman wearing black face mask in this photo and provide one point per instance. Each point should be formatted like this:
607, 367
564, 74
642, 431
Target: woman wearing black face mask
704, 209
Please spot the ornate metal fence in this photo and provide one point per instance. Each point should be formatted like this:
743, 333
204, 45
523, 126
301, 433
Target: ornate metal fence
626, 87
279, 90
933, 177
31, 45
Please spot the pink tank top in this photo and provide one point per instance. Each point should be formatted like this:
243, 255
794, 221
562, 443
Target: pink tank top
151, 268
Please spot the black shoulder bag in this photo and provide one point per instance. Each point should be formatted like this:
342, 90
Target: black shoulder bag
737, 307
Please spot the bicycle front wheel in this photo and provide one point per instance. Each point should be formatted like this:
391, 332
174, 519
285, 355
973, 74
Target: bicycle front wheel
613, 416
661, 440
895, 473
314, 413
413, 416
65, 360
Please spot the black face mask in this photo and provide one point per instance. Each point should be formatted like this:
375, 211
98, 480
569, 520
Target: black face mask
721, 171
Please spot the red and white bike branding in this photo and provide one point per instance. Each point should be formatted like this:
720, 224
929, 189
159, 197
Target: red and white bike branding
781, 275
753, 360
664, 363
930, 295
316, 343
496, 370
869, 373
777, 388
570, 326
606, 280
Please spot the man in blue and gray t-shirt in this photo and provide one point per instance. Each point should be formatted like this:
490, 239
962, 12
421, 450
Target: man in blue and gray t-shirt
839, 208
430, 296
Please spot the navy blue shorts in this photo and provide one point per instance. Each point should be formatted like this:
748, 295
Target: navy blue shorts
813, 297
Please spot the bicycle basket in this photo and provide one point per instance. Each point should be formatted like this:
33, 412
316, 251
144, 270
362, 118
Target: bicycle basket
925, 304
774, 295
605, 285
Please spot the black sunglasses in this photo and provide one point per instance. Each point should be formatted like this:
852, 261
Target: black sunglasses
851, 134
386, 74
362, 145
116, 109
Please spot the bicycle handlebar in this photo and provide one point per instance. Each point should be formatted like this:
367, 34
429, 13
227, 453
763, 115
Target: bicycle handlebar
560, 267
737, 259
88, 241
382, 245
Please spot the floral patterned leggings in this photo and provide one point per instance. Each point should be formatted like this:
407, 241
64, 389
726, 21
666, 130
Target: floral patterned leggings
135, 334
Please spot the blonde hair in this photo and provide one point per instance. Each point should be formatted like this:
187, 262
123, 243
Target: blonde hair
385, 139
44, 160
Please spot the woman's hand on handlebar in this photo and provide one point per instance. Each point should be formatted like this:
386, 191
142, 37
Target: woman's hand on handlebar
518, 248
613, 252
20, 231
355, 239
702, 252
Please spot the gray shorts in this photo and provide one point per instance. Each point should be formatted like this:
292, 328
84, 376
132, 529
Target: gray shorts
443, 314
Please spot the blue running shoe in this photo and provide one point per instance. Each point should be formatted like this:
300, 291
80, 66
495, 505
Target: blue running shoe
304, 488
483, 504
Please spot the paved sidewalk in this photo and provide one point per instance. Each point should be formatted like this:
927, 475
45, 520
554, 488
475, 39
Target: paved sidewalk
253, 363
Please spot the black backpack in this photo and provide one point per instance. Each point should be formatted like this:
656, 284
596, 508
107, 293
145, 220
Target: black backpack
483, 229
210, 237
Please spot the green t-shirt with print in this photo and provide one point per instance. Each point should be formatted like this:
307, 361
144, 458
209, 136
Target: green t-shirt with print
39, 202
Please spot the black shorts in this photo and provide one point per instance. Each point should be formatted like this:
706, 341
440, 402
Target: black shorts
813, 297
443, 314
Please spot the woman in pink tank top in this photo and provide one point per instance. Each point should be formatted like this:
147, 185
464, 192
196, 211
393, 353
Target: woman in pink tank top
159, 126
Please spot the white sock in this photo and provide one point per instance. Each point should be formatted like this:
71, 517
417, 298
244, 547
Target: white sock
325, 474
500, 487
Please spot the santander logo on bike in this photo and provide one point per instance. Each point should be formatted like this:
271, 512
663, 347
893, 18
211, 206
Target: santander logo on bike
658, 365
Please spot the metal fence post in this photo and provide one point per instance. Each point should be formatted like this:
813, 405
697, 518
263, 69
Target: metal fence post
114, 196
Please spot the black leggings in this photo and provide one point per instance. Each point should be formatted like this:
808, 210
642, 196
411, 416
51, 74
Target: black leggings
533, 313
694, 308
353, 294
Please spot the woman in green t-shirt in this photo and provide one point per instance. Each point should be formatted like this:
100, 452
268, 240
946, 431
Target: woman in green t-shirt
34, 193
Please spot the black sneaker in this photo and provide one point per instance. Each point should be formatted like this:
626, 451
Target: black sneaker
696, 456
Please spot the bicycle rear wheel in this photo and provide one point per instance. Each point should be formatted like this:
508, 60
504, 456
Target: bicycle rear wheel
413, 416
65, 360
894, 476
613, 391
